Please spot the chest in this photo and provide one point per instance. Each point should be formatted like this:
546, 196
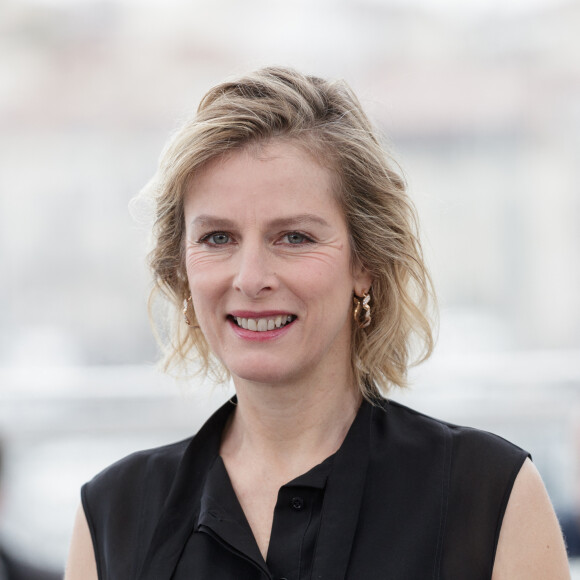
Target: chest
413, 510
258, 504
305, 543
262, 494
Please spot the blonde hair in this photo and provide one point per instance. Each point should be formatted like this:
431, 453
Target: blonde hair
327, 120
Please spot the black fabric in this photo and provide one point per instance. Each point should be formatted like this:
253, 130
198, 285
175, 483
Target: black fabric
296, 524
295, 527
406, 497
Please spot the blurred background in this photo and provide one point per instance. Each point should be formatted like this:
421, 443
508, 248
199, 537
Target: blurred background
479, 102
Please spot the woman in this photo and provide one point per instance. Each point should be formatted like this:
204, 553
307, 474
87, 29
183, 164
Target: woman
287, 239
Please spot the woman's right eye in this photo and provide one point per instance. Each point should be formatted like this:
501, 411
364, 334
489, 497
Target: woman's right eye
216, 239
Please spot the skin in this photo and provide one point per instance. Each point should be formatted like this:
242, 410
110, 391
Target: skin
530, 542
265, 238
264, 234
81, 564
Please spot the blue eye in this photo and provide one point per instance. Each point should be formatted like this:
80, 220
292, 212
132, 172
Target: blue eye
216, 239
297, 238
220, 238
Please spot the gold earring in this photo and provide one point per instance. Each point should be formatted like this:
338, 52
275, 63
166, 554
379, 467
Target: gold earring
185, 306
362, 310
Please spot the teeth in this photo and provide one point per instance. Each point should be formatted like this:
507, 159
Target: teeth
263, 324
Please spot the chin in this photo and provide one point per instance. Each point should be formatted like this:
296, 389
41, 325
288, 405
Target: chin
262, 376
267, 373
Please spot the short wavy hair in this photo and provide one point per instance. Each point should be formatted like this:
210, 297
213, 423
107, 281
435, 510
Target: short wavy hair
325, 118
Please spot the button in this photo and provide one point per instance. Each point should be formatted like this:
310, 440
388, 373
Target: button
297, 503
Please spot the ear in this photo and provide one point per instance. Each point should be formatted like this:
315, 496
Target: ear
362, 279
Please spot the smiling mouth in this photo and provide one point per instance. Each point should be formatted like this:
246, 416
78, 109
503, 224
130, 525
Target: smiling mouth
263, 324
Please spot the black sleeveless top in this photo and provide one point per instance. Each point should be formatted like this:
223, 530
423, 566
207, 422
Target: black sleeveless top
406, 497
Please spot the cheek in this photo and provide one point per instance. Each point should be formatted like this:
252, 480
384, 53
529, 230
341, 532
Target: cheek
196, 259
203, 271
203, 291
330, 284
204, 304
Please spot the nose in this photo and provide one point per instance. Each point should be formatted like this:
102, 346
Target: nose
255, 274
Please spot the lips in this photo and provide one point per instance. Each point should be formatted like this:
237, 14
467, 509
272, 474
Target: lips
262, 324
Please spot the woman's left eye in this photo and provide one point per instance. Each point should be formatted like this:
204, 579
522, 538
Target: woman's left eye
296, 238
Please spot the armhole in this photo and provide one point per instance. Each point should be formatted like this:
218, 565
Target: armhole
92, 530
504, 502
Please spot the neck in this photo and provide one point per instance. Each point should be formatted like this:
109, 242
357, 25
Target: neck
290, 427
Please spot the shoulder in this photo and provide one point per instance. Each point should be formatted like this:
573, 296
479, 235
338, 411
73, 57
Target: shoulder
530, 545
475, 471
464, 444
125, 500
155, 469
134, 469
124, 503
469, 459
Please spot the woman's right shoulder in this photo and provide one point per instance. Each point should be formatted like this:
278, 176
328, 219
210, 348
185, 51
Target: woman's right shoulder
123, 502
140, 481
137, 467
157, 468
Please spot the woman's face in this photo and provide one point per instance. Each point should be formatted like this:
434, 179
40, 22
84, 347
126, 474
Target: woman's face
269, 265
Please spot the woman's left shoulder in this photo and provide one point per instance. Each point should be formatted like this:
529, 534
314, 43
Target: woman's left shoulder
465, 445
530, 544
495, 493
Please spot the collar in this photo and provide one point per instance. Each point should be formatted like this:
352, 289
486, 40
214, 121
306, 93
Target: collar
342, 499
181, 509
184, 508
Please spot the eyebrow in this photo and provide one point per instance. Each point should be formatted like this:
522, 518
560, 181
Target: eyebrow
298, 220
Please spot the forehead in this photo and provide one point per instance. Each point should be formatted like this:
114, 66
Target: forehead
271, 175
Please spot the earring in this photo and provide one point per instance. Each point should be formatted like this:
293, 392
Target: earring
362, 310
185, 305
